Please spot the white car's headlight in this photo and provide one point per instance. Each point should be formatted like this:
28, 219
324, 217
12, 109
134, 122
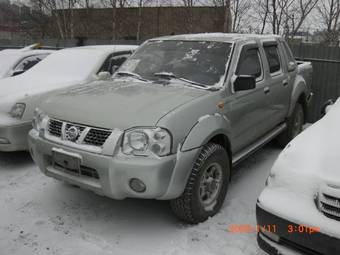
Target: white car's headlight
147, 141
18, 110
38, 118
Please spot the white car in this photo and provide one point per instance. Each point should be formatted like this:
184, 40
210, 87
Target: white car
299, 210
17, 61
20, 95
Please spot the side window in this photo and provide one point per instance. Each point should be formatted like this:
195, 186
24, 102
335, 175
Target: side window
113, 62
116, 62
273, 58
29, 62
250, 63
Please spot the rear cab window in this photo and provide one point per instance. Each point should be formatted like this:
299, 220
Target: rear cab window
273, 57
250, 62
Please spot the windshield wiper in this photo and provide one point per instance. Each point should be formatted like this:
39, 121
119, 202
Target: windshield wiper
131, 74
173, 76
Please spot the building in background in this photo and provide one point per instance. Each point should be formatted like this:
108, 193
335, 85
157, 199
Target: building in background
11, 24
137, 23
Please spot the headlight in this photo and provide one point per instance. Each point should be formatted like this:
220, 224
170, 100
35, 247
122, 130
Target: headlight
38, 118
147, 141
18, 110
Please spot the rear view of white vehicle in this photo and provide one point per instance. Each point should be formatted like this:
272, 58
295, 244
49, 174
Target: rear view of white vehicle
20, 95
14, 62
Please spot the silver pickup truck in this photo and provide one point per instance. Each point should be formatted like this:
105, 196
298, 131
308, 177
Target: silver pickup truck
174, 119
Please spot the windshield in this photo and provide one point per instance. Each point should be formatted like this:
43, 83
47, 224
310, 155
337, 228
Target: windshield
202, 62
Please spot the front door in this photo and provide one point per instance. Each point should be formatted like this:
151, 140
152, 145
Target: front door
248, 110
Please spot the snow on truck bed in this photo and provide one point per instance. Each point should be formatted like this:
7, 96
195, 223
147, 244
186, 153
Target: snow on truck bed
40, 215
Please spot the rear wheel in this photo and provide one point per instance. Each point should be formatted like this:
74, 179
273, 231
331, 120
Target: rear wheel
294, 126
206, 188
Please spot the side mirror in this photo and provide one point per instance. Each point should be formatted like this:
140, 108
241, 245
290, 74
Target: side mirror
102, 76
291, 66
15, 73
244, 82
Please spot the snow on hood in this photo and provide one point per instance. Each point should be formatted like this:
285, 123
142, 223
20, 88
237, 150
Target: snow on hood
314, 154
118, 103
307, 166
60, 69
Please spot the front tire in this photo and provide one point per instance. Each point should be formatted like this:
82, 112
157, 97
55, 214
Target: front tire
207, 186
294, 126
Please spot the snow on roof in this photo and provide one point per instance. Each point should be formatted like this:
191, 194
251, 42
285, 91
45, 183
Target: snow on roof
218, 37
10, 57
106, 48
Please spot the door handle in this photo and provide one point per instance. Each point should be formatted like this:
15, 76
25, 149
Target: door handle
266, 90
285, 82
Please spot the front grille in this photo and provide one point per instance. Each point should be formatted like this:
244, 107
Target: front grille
330, 206
97, 137
55, 127
92, 136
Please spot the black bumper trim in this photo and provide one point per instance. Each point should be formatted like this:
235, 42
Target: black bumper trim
266, 246
305, 243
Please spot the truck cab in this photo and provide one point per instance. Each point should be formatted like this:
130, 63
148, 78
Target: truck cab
174, 120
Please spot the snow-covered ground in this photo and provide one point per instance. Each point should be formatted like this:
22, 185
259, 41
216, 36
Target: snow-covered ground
39, 215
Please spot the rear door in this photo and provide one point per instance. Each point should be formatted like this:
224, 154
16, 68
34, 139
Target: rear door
278, 83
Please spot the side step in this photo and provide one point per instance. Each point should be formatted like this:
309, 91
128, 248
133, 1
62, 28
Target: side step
237, 158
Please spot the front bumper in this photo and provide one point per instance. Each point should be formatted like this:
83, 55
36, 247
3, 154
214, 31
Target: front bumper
14, 138
302, 242
164, 178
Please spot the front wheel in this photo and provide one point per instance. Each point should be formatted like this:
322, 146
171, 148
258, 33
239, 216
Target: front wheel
207, 186
294, 126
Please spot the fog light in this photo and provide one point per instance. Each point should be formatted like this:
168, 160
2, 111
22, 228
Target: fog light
4, 141
137, 185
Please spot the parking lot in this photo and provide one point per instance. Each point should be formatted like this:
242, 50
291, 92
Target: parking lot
43, 216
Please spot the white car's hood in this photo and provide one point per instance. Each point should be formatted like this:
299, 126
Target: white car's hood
27, 85
314, 153
23, 87
307, 167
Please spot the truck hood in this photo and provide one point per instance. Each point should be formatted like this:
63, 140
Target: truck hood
119, 104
